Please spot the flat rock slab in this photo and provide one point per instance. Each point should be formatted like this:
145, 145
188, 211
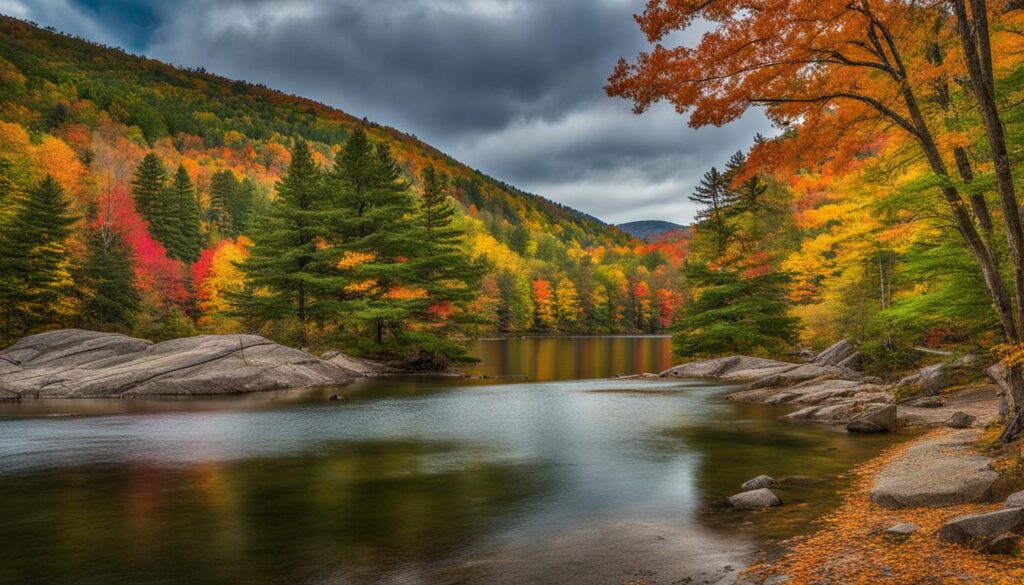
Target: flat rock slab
72, 363
943, 471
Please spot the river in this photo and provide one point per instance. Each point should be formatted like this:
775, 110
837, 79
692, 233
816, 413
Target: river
547, 473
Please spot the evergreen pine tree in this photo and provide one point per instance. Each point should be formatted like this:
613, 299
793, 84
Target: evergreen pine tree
190, 242
240, 205
735, 313
442, 266
109, 275
281, 261
222, 191
34, 272
370, 210
148, 185
748, 194
713, 193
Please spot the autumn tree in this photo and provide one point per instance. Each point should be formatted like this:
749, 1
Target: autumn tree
836, 65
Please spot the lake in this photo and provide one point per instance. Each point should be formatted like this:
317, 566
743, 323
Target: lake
548, 473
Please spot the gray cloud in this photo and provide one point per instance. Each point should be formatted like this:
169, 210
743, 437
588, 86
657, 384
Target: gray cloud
513, 87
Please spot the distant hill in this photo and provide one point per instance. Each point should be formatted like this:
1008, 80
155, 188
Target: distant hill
647, 229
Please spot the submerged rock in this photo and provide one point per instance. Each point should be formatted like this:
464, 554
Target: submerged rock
761, 481
754, 499
877, 419
72, 363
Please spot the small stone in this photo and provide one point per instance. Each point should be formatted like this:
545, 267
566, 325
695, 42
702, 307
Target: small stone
1004, 544
959, 420
1016, 500
761, 481
759, 498
901, 531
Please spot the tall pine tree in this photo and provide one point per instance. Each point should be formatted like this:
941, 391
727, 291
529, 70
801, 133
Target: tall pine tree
735, 313
223, 185
112, 300
371, 239
190, 242
280, 267
713, 193
157, 203
442, 266
34, 272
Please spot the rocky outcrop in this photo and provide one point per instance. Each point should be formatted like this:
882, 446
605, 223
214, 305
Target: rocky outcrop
755, 499
877, 419
943, 471
737, 367
981, 531
73, 363
842, 354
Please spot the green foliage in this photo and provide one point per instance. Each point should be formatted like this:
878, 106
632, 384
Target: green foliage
734, 313
112, 301
34, 269
280, 266
190, 242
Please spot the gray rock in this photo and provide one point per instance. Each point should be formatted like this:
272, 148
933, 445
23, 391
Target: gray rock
1016, 500
73, 363
761, 481
737, 367
944, 471
754, 499
934, 379
876, 419
836, 354
1004, 544
959, 420
925, 402
901, 531
852, 362
978, 530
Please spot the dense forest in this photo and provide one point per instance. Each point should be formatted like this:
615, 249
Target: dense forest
145, 198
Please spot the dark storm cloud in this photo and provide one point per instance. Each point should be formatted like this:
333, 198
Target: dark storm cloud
513, 87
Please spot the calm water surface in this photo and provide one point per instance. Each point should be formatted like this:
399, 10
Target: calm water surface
561, 477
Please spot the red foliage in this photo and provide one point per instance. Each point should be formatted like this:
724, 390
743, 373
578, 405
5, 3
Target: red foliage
154, 271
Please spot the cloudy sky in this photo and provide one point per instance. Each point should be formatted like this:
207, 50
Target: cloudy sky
512, 87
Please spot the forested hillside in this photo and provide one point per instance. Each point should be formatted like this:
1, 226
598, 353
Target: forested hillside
147, 186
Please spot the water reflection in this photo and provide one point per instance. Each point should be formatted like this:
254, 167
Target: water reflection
409, 480
572, 358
